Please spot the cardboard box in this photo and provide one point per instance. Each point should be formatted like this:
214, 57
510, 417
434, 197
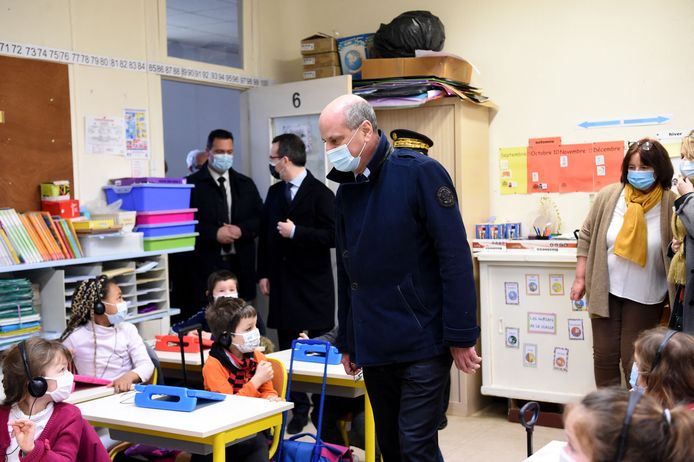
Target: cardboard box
55, 191
318, 43
321, 72
321, 60
428, 66
64, 209
354, 51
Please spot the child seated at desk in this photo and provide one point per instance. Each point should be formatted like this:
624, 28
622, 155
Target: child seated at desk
102, 344
39, 426
221, 283
236, 367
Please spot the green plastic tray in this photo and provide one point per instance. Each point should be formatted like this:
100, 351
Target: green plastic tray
170, 242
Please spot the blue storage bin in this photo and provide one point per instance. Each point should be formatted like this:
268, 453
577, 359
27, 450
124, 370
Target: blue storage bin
167, 229
150, 197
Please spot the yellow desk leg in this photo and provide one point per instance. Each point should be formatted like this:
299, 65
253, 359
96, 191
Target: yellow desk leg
369, 430
218, 449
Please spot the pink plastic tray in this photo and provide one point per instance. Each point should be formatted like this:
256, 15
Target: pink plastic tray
164, 216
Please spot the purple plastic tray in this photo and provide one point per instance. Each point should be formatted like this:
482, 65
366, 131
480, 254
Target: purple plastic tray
150, 179
167, 229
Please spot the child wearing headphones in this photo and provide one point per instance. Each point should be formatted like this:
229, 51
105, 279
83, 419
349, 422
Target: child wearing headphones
612, 424
663, 366
40, 426
221, 283
236, 367
102, 344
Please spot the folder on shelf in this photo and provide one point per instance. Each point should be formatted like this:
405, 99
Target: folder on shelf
74, 235
50, 224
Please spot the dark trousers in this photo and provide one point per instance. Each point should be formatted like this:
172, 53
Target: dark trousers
407, 401
613, 338
301, 402
255, 449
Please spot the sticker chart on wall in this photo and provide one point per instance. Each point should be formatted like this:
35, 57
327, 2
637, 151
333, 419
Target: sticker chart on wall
546, 165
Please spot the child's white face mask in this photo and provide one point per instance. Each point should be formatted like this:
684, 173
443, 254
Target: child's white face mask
64, 383
251, 341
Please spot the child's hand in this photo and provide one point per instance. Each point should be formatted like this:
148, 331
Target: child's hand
274, 399
124, 382
23, 432
264, 372
303, 336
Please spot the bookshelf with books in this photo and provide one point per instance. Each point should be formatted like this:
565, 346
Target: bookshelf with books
142, 276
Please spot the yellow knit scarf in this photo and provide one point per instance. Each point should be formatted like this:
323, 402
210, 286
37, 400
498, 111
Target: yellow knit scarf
678, 265
632, 242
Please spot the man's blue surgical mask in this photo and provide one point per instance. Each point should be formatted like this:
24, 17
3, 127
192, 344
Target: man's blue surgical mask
687, 168
222, 162
342, 159
641, 179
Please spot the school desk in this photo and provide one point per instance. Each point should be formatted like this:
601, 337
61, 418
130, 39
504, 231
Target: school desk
308, 377
87, 393
212, 423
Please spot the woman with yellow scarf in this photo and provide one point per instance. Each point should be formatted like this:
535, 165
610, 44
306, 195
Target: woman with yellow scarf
622, 258
683, 242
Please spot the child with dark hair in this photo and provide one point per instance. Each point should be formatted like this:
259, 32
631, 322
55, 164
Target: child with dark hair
663, 366
236, 367
612, 424
102, 343
221, 283
40, 426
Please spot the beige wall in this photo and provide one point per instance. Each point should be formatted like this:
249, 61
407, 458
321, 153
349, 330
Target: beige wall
132, 29
547, 64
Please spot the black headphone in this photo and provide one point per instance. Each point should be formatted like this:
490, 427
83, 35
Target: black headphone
99, 307
634, 398
661, 348
225, 340
37, 386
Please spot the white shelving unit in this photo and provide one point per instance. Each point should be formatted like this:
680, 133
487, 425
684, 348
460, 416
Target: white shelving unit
57, 281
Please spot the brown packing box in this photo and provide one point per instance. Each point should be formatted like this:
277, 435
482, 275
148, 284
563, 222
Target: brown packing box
318, 43
321, 60
320, 72
444, 67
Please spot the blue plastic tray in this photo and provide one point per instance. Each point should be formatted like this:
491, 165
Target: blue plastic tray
150, 197
167, 229
316, 354
172, 398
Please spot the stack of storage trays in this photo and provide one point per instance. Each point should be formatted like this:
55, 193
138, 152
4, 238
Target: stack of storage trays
162, 206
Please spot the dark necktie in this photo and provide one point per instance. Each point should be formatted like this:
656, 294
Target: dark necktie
225, 202
288, 192
222, 188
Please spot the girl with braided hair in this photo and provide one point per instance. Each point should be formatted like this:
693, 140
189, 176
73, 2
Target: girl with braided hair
102, 343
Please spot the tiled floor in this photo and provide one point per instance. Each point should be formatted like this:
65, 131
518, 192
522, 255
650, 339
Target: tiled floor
486, 437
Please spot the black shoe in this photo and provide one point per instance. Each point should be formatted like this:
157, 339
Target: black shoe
297, 424
444, 423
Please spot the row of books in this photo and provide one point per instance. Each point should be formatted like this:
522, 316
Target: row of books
18, 314
34, 237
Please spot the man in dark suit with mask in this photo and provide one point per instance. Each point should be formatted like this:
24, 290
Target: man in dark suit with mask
228, 215
297, 232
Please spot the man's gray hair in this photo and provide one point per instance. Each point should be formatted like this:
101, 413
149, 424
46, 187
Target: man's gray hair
358, 112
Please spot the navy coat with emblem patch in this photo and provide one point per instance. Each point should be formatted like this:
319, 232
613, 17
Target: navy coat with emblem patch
405, 280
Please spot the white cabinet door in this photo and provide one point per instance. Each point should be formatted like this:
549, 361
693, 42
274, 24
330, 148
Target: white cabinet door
290, 107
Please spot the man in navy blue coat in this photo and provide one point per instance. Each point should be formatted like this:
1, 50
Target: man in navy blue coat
406, 294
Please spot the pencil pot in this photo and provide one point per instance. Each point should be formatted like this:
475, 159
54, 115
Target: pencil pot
308, 451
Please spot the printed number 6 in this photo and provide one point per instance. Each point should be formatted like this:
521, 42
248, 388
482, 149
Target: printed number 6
296, 100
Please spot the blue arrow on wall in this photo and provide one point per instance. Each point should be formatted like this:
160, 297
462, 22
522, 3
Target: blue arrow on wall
657, 120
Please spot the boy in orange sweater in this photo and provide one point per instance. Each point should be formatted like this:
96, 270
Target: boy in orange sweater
235, 367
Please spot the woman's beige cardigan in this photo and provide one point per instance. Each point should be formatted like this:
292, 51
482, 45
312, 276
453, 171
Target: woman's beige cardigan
592, 243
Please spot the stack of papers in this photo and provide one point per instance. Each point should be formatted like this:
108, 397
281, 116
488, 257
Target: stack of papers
414, 92
18, 315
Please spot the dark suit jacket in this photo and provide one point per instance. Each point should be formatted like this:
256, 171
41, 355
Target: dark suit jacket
246, 207
302, 291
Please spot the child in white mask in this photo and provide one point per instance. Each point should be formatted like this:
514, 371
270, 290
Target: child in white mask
103, 344
40, 426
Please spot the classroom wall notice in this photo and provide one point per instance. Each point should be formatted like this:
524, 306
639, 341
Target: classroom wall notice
547, 165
